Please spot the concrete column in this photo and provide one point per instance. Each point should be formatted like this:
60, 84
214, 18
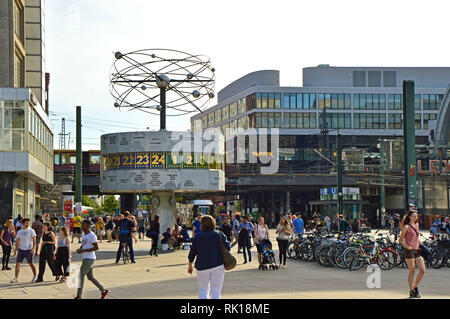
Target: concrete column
288, 201
166, 208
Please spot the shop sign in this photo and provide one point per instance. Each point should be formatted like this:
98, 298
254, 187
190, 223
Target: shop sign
435, 167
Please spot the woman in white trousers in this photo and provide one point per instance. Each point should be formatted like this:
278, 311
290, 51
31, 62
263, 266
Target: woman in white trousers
209, 264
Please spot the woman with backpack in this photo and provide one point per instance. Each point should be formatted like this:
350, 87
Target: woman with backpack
409, 239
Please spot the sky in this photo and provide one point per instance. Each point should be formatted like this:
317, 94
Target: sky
240, 37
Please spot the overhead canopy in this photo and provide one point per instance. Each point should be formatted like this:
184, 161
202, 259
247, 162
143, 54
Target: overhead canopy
202, 202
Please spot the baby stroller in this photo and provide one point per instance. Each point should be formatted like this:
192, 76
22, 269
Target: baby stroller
268, 256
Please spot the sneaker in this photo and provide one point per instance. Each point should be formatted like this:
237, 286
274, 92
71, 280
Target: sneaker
416, 292
35, 279
77, 298
3, 268
13, 281
412, 294
7, 268
104, 293
133, 262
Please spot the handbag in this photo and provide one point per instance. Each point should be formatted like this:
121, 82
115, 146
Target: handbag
229, 262
425, 252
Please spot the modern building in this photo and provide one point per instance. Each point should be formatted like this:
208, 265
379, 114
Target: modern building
26, 134
363, 104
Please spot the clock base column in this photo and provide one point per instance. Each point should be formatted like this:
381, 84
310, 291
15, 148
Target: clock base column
164, 204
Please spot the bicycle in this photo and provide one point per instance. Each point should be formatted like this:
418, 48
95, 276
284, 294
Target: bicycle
355, 257
125, 253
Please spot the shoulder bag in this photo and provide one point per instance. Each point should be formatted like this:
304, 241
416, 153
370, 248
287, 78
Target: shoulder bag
229, 262
424, 251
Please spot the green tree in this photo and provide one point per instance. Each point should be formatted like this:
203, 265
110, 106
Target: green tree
110, 203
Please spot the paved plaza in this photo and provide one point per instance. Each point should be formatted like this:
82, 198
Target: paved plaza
168, 278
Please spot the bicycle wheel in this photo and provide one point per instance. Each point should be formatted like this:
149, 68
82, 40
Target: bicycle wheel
387, 259
438, 257
352, 259
126, 255
339, 258
323, 256
291, 250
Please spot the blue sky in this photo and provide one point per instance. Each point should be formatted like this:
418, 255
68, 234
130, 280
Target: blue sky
239, 36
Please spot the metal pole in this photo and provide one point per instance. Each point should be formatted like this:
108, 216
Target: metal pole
339, 172
409, 144
163, 108
78, 180
382, 188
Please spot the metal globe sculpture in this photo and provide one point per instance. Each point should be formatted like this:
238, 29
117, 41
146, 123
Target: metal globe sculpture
162, 82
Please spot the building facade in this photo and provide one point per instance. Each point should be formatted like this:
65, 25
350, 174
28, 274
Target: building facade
26, 133
363, 104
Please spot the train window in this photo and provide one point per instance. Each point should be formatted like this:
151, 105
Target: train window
63, 159
56, 159
73, 159
95, 159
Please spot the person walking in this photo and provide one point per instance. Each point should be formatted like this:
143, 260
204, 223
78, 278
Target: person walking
77, 220
63, 254
126, 227
342, 223
226, 228
100, 225
409, 239
154, 234
205, 250
236, 224
18, 223
328, 223
284, 232
299, 225
245, 238
26, 246
109, 227
396, 225
6, 236
141, 227
196, 225
46, 253
38, 228
261, 233
89, 246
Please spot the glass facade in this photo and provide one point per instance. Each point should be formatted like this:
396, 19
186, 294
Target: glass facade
337, 120
337, 101
369, 101
395, 121
22, 129
304, 101
432, 101
265, 120
299, 120
428, 117
369, 121
268, 100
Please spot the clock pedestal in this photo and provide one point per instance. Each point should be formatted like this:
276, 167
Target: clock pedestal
164, 204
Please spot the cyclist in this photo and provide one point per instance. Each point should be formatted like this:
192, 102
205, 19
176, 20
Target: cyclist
126, 227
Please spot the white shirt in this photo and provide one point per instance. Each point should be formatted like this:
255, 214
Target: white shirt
26, 238
87, 243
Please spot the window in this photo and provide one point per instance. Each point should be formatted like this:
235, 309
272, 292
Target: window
369, 121
359, 78
417, 121
95, 159
241, 122
204, 122
233, 109
241, 106
389, 78
432, 101
211, 119
18, 21
369, 101
72, 159
428, 117
287, 120
258, 100
417, 105
395, 101
225, 112
337, 120
268, 100
395, 121
18, 71
263, 101
374, 78
56, 159
218, 116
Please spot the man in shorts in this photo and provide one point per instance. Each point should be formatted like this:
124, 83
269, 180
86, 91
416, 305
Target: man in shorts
141, 227
26, 245
77, 227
